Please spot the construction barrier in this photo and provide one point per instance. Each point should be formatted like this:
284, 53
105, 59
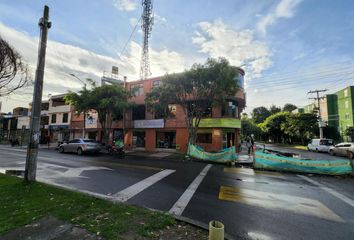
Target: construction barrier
264, 160
224, 156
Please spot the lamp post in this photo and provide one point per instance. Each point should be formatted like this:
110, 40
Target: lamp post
83, 129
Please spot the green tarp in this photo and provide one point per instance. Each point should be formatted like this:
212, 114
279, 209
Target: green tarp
224, 156
273, 162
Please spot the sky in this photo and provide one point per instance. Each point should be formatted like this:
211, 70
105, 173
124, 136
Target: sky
287, 47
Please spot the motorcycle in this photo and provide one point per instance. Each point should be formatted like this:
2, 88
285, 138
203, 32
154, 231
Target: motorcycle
114, 150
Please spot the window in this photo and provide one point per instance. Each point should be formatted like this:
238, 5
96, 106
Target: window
229, 109
346, 93
204, 138
347, 116
54, 118
137, 89
139, 112
172, 110
346, 104
156, 83
65, 117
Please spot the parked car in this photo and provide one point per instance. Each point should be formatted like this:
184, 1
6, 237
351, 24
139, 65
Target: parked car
320, 145
80, 146
343, 149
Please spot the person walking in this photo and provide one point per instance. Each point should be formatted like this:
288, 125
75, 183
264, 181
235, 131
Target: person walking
249, 145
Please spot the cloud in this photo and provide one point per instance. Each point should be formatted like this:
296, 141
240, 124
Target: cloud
285, 9
63, 59
159, 19
218, 40
125, 5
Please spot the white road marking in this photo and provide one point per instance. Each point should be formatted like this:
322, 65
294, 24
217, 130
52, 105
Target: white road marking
15, 149
183, 201
329, 190
138, 187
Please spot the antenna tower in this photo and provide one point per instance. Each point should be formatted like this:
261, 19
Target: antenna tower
146, 26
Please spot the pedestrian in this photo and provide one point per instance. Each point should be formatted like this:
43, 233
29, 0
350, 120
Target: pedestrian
249, 145
252, 143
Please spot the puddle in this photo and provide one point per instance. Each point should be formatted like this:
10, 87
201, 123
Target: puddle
250, 180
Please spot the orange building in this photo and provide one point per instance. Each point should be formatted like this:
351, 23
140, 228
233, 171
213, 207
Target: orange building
219, 130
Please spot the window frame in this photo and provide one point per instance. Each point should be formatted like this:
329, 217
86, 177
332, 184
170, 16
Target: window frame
53, 118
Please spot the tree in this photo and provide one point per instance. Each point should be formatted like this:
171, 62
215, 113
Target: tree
274, 109
302, 126
110, 102
259, 114
273, 126
288, 107
196, 90
13, 72
249, 127
350, 133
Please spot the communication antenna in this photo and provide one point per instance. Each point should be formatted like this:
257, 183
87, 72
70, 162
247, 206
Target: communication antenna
146, 26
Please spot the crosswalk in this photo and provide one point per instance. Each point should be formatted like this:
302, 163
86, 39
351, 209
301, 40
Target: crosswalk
245, 193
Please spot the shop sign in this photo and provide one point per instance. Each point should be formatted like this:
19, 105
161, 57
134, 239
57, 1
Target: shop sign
91, 119
58, 127
154, 123
220, 123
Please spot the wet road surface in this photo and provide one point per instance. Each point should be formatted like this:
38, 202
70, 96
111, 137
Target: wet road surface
251, 204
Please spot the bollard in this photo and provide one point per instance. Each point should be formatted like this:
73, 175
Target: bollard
216, 230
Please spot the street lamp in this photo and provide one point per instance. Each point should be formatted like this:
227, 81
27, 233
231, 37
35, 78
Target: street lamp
83, 129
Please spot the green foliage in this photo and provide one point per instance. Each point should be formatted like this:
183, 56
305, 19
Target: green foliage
249, 127
300, 125
22, 203
110, 102
288, 107
273, 126
349, 132
195, 90
274, 109
259, 114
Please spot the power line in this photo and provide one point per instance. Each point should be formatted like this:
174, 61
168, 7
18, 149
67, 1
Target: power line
130, 37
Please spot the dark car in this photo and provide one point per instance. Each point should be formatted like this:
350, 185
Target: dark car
80, 146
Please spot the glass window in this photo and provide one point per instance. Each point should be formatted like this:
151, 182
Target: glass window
65, 117
156, 83
346, 93
54, 118
137, 89
239, 80
139, 112
89, 141
204, 138
229, 109
347, 116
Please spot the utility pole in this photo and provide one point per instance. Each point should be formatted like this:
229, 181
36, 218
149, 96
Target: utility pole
318, 98
32, 150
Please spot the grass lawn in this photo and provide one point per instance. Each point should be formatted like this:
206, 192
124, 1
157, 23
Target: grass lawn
22, 203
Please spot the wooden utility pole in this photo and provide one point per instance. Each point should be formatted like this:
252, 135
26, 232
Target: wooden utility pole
32, 150
320, 122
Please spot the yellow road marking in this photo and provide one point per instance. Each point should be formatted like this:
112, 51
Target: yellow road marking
278, 201
251, 172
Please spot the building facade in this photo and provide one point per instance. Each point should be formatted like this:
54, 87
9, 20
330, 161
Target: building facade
219, 129
336, 110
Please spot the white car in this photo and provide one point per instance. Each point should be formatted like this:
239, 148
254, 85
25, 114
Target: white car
320, 145
345, 149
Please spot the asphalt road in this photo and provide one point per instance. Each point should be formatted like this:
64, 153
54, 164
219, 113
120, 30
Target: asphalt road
251, 204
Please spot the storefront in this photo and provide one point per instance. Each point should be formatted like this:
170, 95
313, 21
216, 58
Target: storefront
165, 139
